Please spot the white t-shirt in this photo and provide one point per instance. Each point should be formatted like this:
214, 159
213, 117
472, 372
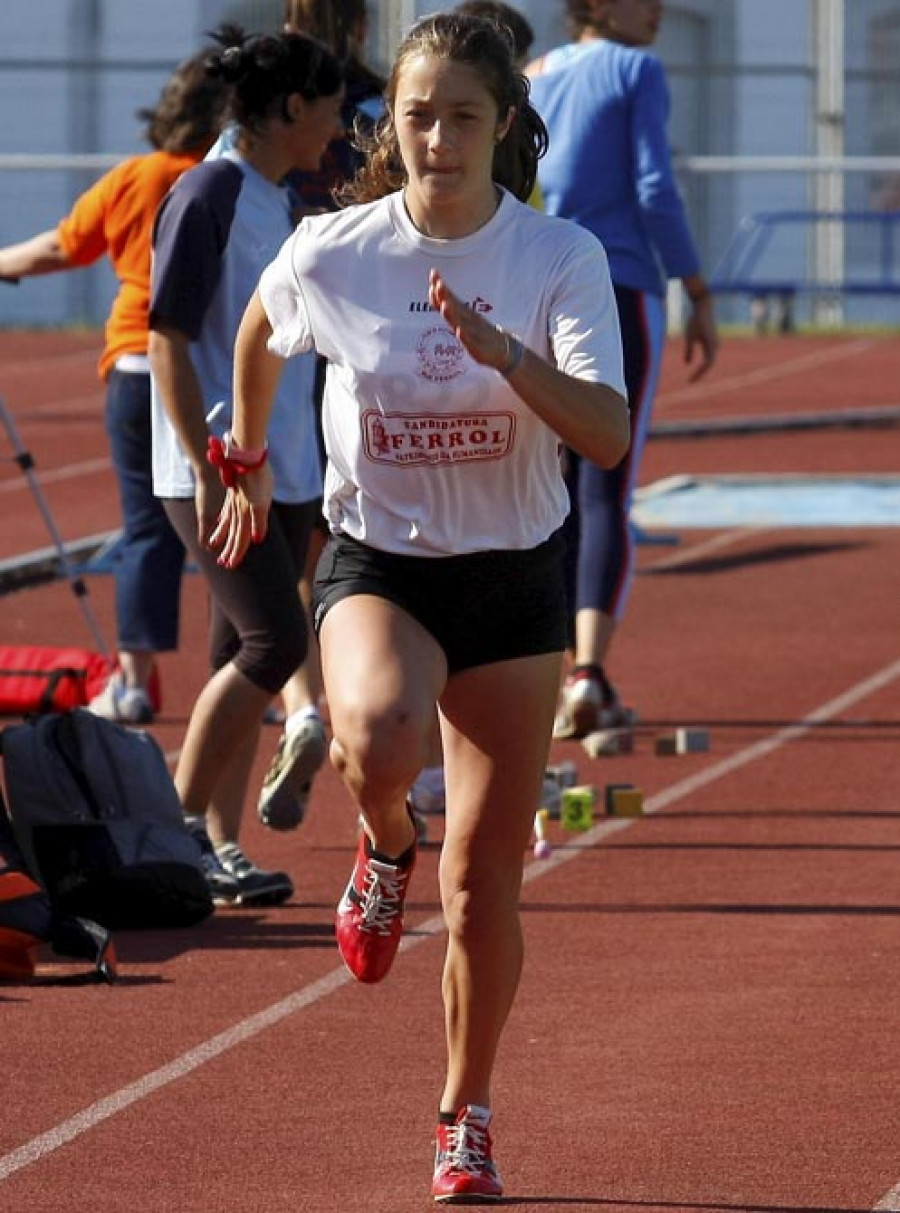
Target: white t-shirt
429, 453
216, 231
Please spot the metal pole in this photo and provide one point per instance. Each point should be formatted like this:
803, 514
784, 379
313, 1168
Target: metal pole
395, 18
84, 108
828, 20
25, 461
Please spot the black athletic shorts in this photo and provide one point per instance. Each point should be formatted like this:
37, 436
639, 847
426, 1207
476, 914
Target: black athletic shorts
485, 607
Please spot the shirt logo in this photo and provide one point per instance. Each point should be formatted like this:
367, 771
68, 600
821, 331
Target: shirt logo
477, 305
440, 353
409, 439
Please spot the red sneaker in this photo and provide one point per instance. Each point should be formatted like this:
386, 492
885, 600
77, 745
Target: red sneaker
463, 1168
370, 914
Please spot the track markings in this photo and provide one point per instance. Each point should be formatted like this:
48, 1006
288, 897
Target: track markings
70, 471
779, 370
704, 548
69, 1130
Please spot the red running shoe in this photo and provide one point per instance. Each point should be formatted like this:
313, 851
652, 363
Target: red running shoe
370, 914
464, 1171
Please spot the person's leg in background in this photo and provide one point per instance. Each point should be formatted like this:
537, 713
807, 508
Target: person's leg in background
149, 559
605, 543
257, 641
428, 794
302, 746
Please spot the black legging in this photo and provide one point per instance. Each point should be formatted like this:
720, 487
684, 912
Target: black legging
256, 617
597, 530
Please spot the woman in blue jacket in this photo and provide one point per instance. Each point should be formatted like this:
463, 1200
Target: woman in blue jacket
605, 102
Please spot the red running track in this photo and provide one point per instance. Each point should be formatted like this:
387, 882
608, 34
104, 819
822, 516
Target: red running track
708, 1018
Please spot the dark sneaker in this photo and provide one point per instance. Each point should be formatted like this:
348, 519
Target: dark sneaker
589, 702
370, 914
223, 888
288, 781
464, 1171
256, 887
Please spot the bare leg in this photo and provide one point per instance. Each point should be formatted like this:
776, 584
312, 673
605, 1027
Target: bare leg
383, 673
136, 666
494, 777
226, 805
299, 691
593, 635
304, 688
226, 717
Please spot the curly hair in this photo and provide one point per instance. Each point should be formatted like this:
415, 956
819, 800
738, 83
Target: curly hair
190, 110
487, 48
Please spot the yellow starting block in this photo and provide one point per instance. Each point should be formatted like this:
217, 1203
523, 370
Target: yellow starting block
624, 800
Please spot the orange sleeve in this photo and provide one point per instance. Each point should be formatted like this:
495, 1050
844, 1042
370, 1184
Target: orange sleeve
83, 232
115, 217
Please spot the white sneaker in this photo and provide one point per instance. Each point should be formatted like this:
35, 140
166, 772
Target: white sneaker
428, 793
127, 705
288, 781
589, 702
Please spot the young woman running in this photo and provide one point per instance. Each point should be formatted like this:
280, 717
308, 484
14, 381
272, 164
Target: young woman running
467, 336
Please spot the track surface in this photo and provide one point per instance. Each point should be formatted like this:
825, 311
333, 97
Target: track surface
708, 1019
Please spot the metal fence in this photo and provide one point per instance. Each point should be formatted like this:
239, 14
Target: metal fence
842, 270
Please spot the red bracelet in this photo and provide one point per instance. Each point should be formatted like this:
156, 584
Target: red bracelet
233, 461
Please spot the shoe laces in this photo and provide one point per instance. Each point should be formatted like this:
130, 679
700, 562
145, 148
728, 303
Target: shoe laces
278, 760
468, 1147
289, 746
233, 860
381, 896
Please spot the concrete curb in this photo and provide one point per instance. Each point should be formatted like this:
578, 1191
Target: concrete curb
46, 564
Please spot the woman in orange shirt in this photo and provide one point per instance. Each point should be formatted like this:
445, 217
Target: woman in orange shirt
115, 218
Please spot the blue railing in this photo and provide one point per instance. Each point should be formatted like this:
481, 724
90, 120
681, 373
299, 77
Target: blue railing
738, 269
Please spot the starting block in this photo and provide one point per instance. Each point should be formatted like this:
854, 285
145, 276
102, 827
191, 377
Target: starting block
608, 742
624, 800
564, 773
683, 741
556, 778
576, 812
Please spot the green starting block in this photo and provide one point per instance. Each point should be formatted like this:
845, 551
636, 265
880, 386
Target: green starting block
576, 812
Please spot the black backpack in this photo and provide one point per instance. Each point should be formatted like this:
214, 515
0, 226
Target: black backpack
99, 822
28, 922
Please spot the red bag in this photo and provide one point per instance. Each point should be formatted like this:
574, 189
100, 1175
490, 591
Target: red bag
40, 678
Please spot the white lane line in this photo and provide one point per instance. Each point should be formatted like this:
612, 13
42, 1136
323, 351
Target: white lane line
718, 770
49, 360
32, 415
71, 471
779, 370
697, 551
45, 1144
